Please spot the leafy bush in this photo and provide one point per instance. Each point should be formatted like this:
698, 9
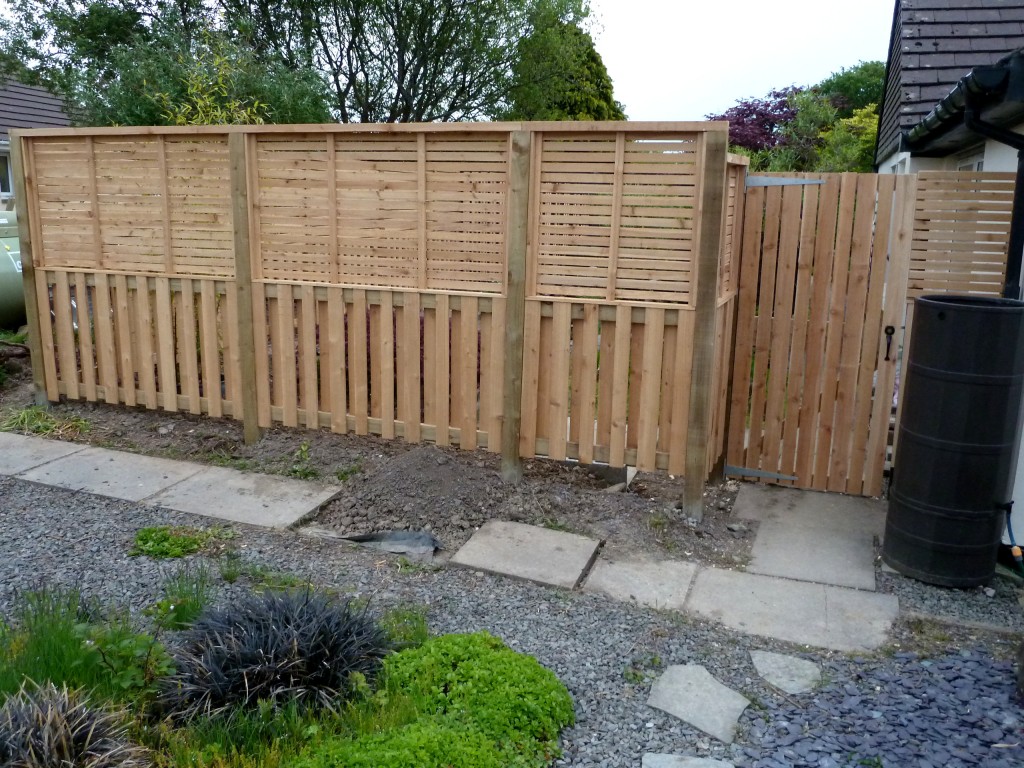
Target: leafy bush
426, 743
477, 678
279, 647
474, 703
51, 727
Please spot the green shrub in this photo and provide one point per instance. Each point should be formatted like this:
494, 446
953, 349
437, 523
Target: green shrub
426, 743
280, 647
51, 727
477, 678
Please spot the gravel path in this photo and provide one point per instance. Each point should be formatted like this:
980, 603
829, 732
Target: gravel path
951, 710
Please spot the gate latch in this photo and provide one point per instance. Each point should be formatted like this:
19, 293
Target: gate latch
889, 331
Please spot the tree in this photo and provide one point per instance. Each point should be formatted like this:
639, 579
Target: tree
209, 80
820, 127
849, 145
756, 124
383, 60
853, 89
559, 75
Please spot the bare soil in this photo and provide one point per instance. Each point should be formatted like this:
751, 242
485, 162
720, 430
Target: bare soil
392, 485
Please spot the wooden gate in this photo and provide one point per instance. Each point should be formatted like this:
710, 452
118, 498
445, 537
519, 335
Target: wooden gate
830, 266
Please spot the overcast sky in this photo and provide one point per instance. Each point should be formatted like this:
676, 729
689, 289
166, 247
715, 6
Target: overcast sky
684, 59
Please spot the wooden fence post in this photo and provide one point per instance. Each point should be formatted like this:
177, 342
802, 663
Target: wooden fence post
515, 304
28, 270
708, 250
243, 284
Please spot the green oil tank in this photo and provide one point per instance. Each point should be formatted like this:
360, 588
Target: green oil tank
12, 297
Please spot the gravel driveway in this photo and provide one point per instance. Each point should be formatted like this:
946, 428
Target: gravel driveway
895, 708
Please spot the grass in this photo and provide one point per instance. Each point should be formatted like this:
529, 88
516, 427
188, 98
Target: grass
347, 473
233, 567
186, 593
13, 336
37, 420
163, 542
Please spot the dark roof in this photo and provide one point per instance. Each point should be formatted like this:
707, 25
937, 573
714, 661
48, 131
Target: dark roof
27, 106
933, 44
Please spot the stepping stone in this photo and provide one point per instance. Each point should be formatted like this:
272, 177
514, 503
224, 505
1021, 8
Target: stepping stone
690, 693
787, 673
554, 558
659, 584
651, 760
245, 497
120, 475
20, 453
795, 611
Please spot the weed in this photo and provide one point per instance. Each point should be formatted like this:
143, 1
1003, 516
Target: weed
46, 725
221, 459
347, 473
37, 420
165, 541
300, 465
186, 594
406, 626
134, 661
642, 668
555, 524
407, 566
657, 522
263, 578
13, 336
231, 566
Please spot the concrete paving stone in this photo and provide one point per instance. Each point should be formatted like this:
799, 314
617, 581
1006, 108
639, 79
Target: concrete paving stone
797, 612
787, 673
651, 760
245, 497
661, 584
691, 693
121, 475
529, 552
833, 512
20, 453
793, 549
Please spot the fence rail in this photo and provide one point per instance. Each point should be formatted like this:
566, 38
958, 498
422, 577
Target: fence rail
381, 279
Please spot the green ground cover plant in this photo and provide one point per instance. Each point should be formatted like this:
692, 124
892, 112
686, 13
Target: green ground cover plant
299, 677
164, 542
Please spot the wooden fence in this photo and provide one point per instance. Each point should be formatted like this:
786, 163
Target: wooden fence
544, 289
828, 266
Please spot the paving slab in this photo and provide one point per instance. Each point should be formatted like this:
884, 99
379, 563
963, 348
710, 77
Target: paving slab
245, 497
127, 476
826, 538
20, 453
662, 584
832, 512
787, 673
798, 612
794, 550
691, 693
651, 760
555, 558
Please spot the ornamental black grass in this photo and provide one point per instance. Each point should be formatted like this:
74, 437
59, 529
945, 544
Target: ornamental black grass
297, 647
49, 727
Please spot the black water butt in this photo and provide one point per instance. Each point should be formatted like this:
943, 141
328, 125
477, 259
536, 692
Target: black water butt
953, 469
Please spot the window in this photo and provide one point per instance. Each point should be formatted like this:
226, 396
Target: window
6, 180
974, 161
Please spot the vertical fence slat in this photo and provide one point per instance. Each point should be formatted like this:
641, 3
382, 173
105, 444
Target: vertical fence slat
530, 381
336, 341
308, 345
165, 345
359, 370
586, 340
467, 375
442, 370
63, 320
561, 328
260, 333
545, 358
123, 324
86, 321
410, 353
620, 386
285, 358
188, 345
106, 345
496, 387
650, 389
636, 381
681, 393
144, 330
387, 365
